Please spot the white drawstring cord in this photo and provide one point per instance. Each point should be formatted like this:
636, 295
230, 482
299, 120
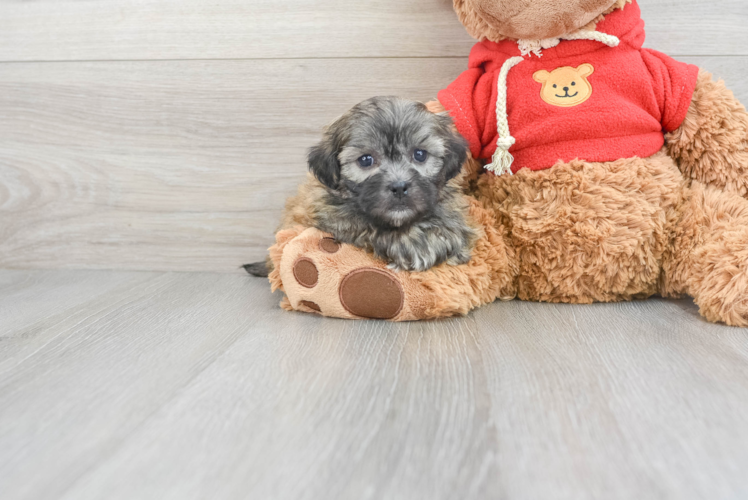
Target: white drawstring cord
501, 162
502, 159
595, 36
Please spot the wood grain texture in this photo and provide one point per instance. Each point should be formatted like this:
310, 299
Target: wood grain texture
182, 386
169, 165
180, 165
64, 30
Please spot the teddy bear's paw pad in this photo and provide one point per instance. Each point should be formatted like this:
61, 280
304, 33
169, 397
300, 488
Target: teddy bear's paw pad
329, 245
372, 293
306, 272
310, 305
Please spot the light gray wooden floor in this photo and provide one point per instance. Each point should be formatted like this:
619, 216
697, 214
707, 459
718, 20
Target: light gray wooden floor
140, 385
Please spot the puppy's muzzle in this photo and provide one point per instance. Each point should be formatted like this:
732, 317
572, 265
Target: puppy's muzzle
399, 189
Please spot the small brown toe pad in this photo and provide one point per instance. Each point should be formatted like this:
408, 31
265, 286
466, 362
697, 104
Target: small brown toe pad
305, 272
372, 293
311, 305
329, 245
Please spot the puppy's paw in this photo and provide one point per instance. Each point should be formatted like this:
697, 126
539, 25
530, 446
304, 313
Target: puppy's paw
396, 268
459, 258
422, 249
416, 261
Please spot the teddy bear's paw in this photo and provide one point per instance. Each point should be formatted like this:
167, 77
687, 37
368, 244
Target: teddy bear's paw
320, 275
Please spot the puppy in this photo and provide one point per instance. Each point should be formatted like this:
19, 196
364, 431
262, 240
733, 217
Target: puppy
381, 182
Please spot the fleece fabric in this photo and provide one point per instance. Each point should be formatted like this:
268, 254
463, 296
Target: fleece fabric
579, 100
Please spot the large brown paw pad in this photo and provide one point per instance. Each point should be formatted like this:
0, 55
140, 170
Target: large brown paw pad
372, 293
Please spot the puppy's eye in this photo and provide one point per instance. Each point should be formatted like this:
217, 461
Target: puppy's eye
366, 161
420, 155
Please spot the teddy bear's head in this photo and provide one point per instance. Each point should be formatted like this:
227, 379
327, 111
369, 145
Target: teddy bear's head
497, 20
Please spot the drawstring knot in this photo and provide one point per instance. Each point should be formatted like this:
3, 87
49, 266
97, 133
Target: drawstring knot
502, 160
505, 142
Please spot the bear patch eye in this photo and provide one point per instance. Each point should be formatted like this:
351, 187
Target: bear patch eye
420, 155
555, 86
365, 161
573, 83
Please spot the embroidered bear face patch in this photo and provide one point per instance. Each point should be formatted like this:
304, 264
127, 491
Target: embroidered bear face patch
565, 86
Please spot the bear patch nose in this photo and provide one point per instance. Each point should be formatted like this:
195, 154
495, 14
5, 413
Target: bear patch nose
566, 89
399, 189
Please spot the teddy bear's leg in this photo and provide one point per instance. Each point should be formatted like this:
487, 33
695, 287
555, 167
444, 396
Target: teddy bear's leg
710, 256
711, 146
319, 275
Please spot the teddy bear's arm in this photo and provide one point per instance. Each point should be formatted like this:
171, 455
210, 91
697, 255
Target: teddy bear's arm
711, 145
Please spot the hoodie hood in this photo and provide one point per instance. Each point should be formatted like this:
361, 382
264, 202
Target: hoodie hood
626, 24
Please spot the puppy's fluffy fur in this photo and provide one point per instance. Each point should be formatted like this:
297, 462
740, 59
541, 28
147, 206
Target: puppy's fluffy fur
381, 182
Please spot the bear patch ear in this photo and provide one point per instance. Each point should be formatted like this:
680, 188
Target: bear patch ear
585, 70
323, 162
541, 76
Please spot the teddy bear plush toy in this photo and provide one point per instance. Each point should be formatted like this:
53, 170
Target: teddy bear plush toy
599, 171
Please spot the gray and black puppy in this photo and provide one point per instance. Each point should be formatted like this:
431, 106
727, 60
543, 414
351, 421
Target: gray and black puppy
385, 169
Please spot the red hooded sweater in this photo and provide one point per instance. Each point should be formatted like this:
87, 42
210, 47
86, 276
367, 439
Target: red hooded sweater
580, 99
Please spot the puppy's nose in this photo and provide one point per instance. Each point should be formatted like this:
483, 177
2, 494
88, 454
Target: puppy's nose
399, 189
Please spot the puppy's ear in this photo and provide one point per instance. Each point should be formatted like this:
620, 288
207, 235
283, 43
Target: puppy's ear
323, 161
456, 148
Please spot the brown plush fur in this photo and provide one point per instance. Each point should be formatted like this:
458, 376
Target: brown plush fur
586, 232
672, 224
498, 20
712, 143
710, 255
301, 207
579, 233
